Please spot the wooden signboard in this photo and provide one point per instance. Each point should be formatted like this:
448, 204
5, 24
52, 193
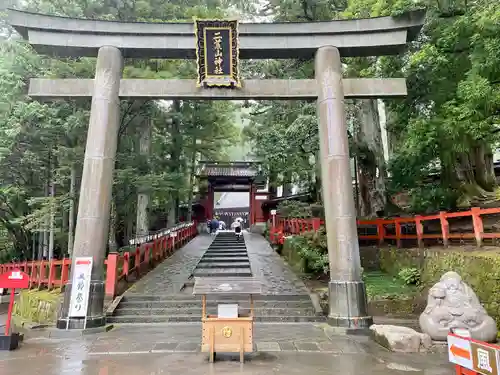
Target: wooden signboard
485, 359
478, 356
217, 54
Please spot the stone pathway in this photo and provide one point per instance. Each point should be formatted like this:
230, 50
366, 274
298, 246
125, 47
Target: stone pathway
171, 275
276, 275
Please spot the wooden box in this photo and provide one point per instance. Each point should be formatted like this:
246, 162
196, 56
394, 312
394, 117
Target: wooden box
227, 335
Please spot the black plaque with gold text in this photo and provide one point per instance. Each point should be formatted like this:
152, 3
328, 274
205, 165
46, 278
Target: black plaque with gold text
217, 53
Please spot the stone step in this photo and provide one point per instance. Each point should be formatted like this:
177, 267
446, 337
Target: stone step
231, 247
228, 254
244, 304
131, 296
225, 251
210, 264
141, 319
222, 272
223, 259
308, 311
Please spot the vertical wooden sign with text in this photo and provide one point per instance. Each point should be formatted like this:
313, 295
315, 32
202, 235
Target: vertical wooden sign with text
217, 53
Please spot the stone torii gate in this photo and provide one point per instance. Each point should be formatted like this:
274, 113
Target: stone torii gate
111, 42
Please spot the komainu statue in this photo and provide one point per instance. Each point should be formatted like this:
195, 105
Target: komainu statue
453, 304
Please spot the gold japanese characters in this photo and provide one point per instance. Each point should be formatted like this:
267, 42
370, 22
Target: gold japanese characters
217, 53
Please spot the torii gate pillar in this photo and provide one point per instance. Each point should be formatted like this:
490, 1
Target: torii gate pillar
347, 295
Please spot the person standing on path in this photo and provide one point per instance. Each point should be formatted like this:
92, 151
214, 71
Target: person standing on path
236, 226
214, 226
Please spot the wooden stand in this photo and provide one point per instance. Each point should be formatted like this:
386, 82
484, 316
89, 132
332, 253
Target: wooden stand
226, 335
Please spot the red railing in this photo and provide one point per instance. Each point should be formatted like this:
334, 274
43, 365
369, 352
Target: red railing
118, 267
398, 229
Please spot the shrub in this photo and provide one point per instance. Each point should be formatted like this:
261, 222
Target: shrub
294, 209
410, 275
312, 248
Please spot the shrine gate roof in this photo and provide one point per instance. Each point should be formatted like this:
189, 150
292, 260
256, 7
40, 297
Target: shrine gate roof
71, 37
228, 169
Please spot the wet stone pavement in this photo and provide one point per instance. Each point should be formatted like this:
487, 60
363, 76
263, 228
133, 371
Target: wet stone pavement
266, 264
167, 349
150, 349
170, 276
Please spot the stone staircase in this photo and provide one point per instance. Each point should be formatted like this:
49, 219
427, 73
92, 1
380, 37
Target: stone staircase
176, 308
226, 256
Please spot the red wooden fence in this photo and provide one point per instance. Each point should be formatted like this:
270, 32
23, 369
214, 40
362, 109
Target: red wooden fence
397, 229
118, 267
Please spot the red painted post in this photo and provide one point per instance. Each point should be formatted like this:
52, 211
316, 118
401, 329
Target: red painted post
420, 230
156, 250
397, 224
111, 275
444, 227
380, 232
9, 312
126, 264
65, 271
41, 273
316, 223
477, 222
146, 254
137, 261
52, 272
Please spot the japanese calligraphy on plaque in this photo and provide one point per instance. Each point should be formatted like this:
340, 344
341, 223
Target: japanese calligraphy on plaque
217, 53
80, 287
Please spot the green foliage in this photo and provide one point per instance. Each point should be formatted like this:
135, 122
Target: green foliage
380, 285
294, 209
432, 198
312, 248
410, 276
446, 126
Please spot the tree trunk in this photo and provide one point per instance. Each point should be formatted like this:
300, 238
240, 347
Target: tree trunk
142, 221
272, 184
371, 165
40, 243
484, 168
392, 136
47, 217
171, 214
191, 182
52, 218
71, 215
33, 248
112, 245
175, 156
287, 184
129, 229
464, 170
